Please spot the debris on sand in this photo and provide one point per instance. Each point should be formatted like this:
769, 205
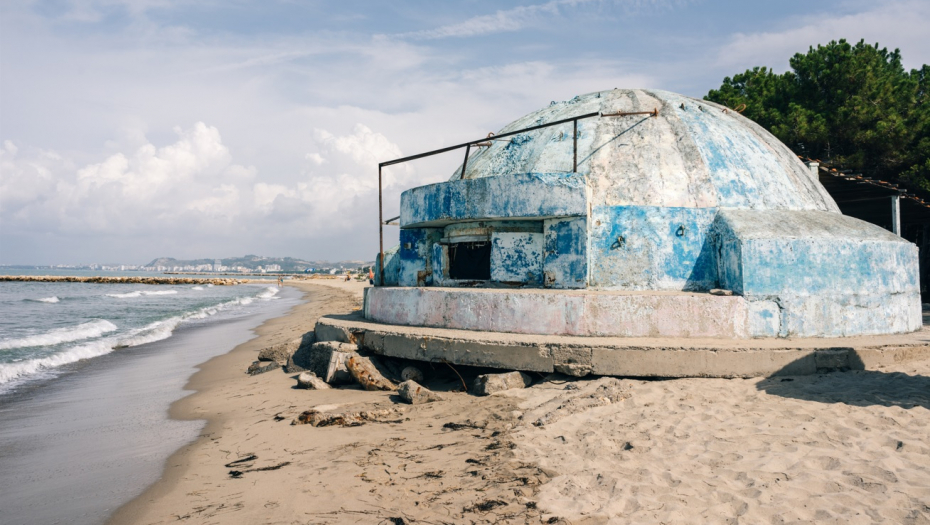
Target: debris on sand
488, 384
415, 394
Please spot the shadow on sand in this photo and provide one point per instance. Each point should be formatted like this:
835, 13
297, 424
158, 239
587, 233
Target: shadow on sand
856, 387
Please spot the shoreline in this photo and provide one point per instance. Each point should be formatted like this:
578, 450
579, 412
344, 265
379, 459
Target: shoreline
317, 299
97, 432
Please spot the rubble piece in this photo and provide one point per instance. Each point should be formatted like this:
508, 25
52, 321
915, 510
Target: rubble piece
319, 418
259, 367
326, 360
412, 373
720, 291
367, 375
310, 381
488, 384
297, 360
283, 351
415, 394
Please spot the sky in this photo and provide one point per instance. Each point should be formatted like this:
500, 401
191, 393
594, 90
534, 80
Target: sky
131, 130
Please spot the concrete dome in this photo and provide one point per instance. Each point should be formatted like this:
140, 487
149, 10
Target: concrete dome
695, 154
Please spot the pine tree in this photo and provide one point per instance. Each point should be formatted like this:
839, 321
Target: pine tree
853, 106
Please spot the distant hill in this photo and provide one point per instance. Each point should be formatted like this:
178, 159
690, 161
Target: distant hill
252, 262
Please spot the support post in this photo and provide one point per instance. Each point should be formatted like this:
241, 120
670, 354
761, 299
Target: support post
575, 146
465, 162
896, 214
380, 230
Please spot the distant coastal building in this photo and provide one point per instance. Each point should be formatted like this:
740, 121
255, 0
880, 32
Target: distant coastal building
665, 216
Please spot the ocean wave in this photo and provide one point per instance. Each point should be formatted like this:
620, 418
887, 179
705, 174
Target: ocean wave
197, 288
268, 293
126, 295
12, 373
61, 335
140, 293
156, 331
51, 299
31, 367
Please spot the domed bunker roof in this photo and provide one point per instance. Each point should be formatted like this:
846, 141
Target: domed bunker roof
694, 154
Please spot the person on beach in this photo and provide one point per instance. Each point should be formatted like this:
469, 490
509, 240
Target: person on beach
280, 281
371, 276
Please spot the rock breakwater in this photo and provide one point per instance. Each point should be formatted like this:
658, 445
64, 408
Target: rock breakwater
120, 280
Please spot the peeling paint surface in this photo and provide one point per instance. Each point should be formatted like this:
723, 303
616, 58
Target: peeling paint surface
510, 196
565, 262
830, 275
517, 257
650, 248
578, 312
414, 253
695, 156
696, 198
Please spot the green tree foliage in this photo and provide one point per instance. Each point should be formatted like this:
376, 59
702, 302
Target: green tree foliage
849, 105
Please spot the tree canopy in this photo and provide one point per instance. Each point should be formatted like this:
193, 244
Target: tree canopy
850, 105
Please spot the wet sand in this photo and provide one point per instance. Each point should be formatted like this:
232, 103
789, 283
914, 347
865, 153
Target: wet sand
76, 447
843, 447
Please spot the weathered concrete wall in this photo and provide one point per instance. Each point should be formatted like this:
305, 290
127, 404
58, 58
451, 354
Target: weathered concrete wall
817, 274
649, 248
517, 258
534, 195
565, 262
416, 247
566, 312
693, 154
391, 267
637, 357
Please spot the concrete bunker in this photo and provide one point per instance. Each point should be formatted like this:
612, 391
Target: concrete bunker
619, 222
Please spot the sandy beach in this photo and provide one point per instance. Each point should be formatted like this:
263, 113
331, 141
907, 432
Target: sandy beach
842, 447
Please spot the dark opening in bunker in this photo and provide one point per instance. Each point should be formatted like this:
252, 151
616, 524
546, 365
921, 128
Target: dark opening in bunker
470, 261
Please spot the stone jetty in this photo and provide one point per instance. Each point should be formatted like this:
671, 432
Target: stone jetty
120, 280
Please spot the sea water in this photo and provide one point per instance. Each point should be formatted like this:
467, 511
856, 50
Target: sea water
47, 328
87, 373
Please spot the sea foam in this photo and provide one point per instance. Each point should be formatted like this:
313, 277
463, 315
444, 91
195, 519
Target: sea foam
61, 335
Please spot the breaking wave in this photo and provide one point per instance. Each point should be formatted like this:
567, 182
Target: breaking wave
51, 299
140, 293
150, 333
61, 335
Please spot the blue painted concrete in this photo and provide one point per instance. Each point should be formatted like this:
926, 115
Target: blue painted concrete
694, 199
650, 248
565, 261
512, 196
416, 246
391, 267
517, 258
827, 274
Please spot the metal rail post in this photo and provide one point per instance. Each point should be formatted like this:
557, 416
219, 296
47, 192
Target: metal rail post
575, 146
380, 230
896, 214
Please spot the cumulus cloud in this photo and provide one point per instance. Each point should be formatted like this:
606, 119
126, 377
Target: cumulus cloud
126, 192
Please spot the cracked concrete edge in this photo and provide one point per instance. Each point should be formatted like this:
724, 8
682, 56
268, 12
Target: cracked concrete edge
608, 356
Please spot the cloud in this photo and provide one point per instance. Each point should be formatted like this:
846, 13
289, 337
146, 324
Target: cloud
520, 17
894, 25
183, 185
504, 20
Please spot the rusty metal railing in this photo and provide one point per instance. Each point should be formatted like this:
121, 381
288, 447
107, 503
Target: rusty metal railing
483, 142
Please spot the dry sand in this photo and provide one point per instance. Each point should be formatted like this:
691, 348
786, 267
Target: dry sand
844, 447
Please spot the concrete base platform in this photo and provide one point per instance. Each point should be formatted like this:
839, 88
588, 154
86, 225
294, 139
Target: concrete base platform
562, 312
626, 356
